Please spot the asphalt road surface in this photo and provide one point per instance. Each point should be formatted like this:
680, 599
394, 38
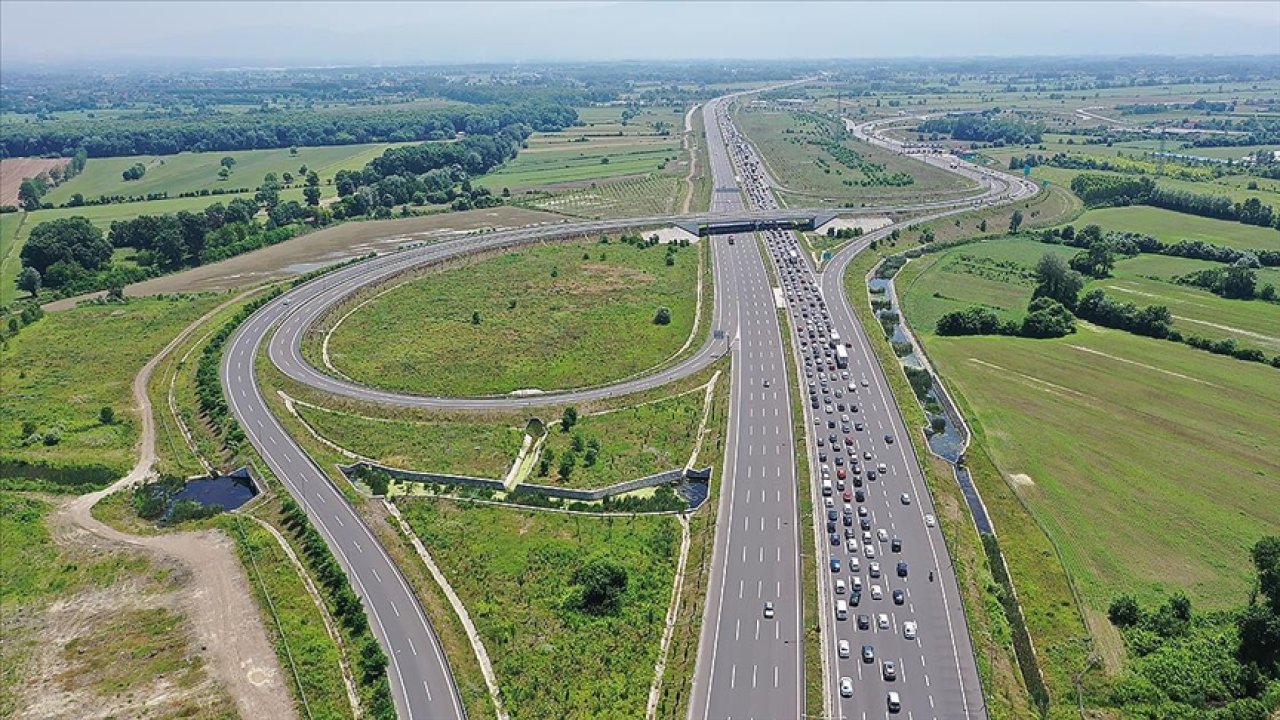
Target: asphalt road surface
749, 665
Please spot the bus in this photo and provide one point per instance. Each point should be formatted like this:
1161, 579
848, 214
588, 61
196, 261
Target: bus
842, 357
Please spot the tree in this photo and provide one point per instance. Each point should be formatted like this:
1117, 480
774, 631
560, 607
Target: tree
107, 415
268, 194
475, 317
1124, 612
134, 172
29, 193
662, 317
1047, 318
1266, 560
1239, 283
287, 177
227, 162
223, 173
568, 418
1096, 261
312, 190
1056, 280
567, 461
29, 281
603, 582
72, 240
982, 226
1015, 221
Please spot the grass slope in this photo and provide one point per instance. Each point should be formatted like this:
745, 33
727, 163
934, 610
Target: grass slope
60, 371
514, 571
578, 320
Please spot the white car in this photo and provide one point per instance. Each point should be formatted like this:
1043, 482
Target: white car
855, 565
843, 649
852, 546
864, 382
839, 587
869, 550
877, 593
883, 535
768, 611
882, 621
846, 687
906, 499
853, 387
930, 521
909, 629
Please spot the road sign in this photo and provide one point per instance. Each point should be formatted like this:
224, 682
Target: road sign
826, 255
718, 334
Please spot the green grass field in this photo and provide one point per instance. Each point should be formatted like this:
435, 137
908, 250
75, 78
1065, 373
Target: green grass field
60, 371
580, 164
457, 445
514, 570
996, 275
634, 442
577, 320
1149, 464
809, 170
1170, 227
193, 172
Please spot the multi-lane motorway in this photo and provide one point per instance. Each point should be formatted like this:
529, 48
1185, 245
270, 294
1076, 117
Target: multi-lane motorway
748, 665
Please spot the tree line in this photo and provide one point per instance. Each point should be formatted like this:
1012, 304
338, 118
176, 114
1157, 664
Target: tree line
1097, 190
252, 131
989, 126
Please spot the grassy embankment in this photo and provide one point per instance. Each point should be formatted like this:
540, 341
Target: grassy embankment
567, 315
57, 375
811, 175
519, 579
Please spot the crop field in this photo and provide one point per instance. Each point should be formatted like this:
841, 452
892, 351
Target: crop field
633, 197
193, 172
804, 169
582, 164
1170, 227
14, 170
454, 445
1149, 464
633, 442
520, 574
997, 275
59, 372
535, 318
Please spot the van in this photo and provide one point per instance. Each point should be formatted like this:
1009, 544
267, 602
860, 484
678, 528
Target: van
839, 587
826, 488
842, 610
895, 703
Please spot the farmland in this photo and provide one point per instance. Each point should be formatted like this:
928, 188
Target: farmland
1170, 227
554, 653
450, 333
195, 172
1111, 494
630, 197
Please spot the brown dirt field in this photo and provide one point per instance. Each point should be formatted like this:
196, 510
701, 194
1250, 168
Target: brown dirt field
326, 247
14, 170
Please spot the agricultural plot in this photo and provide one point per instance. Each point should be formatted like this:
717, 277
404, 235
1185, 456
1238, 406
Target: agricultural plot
1170, 227
558, 167
535, 318
628, 198
194, 172
1147, 462
570, 608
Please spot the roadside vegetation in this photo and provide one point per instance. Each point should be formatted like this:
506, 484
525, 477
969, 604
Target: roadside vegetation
547, 327
67, 420
570, 607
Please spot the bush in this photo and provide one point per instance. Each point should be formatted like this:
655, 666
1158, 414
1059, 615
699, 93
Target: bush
662, 317
1124, 612
602, 584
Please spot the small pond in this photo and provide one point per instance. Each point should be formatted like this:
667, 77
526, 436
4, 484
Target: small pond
230, 491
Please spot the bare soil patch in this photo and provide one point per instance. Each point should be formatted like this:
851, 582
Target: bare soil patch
327, 247
14, 170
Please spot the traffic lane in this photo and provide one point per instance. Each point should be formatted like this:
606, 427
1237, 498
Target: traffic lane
413, 650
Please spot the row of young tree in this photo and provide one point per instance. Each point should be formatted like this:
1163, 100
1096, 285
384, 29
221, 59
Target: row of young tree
1130, 244
116, 137
1097, 190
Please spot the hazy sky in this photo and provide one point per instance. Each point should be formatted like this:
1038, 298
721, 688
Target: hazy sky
324, 33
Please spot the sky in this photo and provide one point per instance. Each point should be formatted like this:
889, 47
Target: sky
267, 34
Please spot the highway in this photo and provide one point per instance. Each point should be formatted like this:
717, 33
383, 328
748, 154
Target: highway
746, 668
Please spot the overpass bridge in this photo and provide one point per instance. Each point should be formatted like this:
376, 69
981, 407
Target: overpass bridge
756, 222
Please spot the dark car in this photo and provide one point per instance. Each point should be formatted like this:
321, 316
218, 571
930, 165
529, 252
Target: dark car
866, 523
835, 564
864, 622
899, 597
835, 538
868, 654
902, 569
871, 475
888, 439
860, 495
855, 598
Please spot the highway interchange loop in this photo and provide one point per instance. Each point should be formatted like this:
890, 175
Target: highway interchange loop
744, 306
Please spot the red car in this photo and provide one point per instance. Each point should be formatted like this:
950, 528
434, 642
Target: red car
848, 495
840, 473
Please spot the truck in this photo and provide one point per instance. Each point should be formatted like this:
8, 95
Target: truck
793, 257
835, 339
842, 357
